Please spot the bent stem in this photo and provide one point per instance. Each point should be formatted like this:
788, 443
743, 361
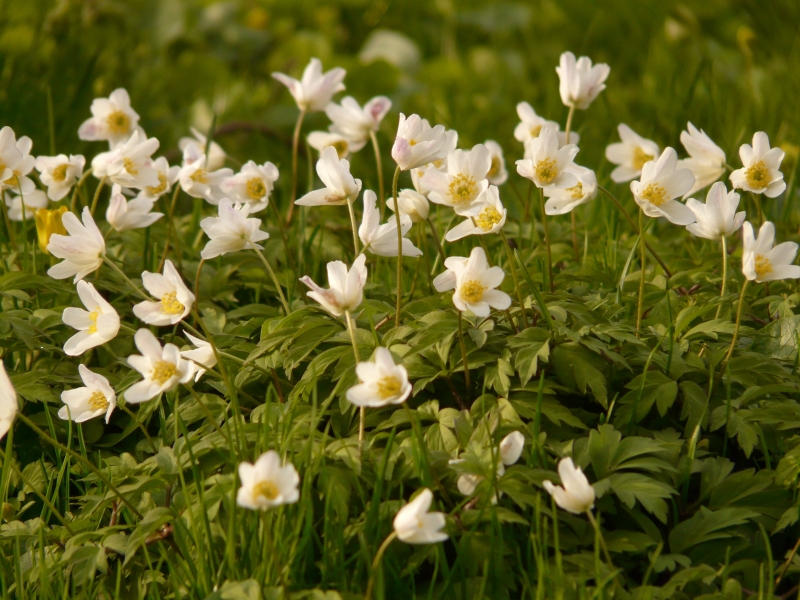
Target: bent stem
724, 272
547, 242
96, 195
569, 123
399, 249
436, 239
78, 186
273, 276
520, 298
642, 257
121, 273
377, 561
354, 226
738, 325
379, 166
463, 353
295, 144
362, 415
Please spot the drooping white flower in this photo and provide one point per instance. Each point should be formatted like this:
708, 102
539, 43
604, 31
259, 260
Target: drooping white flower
167, 176
486, 215
216, 155
175, 301
717, 217
96, 325
549, 165
379, 239
511, 448
96, 398
346, 287
418, 175
203, 354
382, 382
231, 231
59, 173
660, 185
417, 143
340, 186
464, 180
530, 126
508, 453
354, 122
579, 81
100, 164
315, 89
762, 260
497, 174
760, 173
123, 214
413, 204
631, 154
161, 368
561, 201
576, 495
413, 524
112, 120
267, 483
252, 185
319, 140
474, 283
197, 179
131, 164
707, 162
467, 483
33, 201
8, 402
82, 250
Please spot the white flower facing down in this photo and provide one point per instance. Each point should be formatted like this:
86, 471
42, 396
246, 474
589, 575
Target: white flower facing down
417, 143
131, 164
486, 215
660, 185
346, 287
167, 176
96, 325
175, 301
717, 217
382, 382
707, 162
760, 173
59, 173
202, 356
511, 448
253, 185
418, 175
123, 214
413, 204
561, 201
762, 260
356, 123
340, 186
549, 165
216, 155
498, 174
379, 239
161, 368
231, 231
630, 155
464, 180
474, 283
32, 201
112, 119
267, 483
82, 250
197, 179
579, 81
530, 126
315, 89
319, 140
414, 524
8, 402
96, 398
575, 494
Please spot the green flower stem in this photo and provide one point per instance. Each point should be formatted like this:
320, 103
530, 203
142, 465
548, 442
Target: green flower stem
642, 258
9, 227
437, 239
569, 123
97, 194
125, 409
170, 227
78, 186
738, 325
273, 276
547, 243
121, 273
600, 538
517, 286
724, 272
757, 200
567, 130
379, 166
354, 226
399, 249
463, 353
362, 414
295, 143
377, 561
284, 237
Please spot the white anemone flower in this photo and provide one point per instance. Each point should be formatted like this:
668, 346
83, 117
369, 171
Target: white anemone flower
16, 162
575, 494
100, 164
267, 483
8, 402
123, 214
379, 239
762, 260
511, 448
382, 382
216, 155
414, 524
760, 173
486, 215
96, 325
464, 180
413, 204
197, 179
579, 81
469, 482
561, 201
59, 173
707, 162
530, 126
630, 155
474, 283
417, 143
112, 120
202, 356
340, 186
660, 185
175, 301
549, 164
319, 140
32, 201
498, 174
354, 122
161, 368
418, 175
252, 185
131, 164
82, 250
10, 156
96, 398
717, 217
315, 89
167, 176
231, 231
346, 287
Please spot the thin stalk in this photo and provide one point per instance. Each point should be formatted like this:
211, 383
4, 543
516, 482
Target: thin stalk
642, 258
78, 186
724, 272
463, 353
569, 123
97, 195
24, 225
362, 415
567, 130
377, 561
599, 535
9, 227
547, 243
437, 240
738, 325
757, 200
295, 144
273, 276
354, 226
399, 249
197, 283
516, 279
121, 273
284, 236
170, 227
379, 166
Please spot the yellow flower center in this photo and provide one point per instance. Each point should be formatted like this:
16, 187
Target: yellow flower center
546, 170
60, 173
576, 191
118, 122
535, 130
763, 266
341, 148
14, 179
256, 189
98, 401
170, 305
640, 157
463, 188
163, 371
266, 489
156, 190
93, 318
130, 166
654, 194
488, 218
471, 291
200, 176
388, 386
412, 142
495, 168
757, 175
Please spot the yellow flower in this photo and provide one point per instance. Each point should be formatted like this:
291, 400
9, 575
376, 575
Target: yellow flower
48, 222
